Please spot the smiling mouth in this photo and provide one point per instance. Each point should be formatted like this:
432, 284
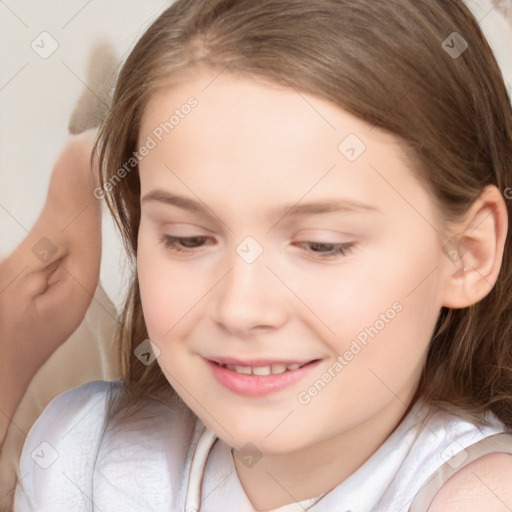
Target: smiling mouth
259, 377
262, 371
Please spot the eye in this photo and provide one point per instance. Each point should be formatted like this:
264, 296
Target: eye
326, 249
321, 249
184, 244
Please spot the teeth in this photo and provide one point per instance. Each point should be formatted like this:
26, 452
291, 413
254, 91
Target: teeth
262, 370
278, 368
243, 369
274, 369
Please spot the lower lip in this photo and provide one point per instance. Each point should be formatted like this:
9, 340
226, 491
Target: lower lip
258, 385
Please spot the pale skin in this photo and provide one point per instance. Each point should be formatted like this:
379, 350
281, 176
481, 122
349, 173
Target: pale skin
44, 298
248, 149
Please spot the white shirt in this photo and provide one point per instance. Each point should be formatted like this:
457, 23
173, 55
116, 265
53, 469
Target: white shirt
70, 462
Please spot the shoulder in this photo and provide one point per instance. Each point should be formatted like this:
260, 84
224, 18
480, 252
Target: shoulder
442, 450
59, 450
70, 418
485, 484
72, 454
71, 413
87, 402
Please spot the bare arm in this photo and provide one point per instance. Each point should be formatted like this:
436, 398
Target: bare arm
47, 283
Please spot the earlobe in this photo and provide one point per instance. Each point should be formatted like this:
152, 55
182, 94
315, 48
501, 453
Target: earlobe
478, 245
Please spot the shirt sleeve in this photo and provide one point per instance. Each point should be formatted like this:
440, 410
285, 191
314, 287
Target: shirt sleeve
59, 454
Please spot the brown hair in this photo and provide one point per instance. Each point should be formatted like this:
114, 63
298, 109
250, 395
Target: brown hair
385, 63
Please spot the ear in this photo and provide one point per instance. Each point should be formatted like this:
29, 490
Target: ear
475, 253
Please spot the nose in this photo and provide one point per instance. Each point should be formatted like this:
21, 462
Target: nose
249, 299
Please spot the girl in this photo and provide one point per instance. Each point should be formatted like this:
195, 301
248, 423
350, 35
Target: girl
317, 195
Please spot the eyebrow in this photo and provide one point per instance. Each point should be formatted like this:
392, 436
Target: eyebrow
294, 210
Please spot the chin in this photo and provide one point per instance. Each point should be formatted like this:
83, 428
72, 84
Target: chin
265, 440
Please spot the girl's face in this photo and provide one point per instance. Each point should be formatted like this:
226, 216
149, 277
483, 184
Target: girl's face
280, 234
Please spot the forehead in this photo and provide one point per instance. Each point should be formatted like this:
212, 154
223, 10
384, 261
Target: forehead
256, 141
254, 106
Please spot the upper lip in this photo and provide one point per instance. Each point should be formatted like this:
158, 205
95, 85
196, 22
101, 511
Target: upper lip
255, 363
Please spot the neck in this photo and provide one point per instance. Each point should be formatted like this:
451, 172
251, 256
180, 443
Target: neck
280, 479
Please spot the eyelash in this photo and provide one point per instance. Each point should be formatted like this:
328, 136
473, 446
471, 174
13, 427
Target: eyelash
342, 249
171, 242
335, 249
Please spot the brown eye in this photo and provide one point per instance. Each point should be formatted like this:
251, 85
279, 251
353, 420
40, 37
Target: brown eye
327, 250
183, 243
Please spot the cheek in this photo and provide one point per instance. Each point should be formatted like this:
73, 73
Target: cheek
381, 313
352, 296
404, 303
167, 293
